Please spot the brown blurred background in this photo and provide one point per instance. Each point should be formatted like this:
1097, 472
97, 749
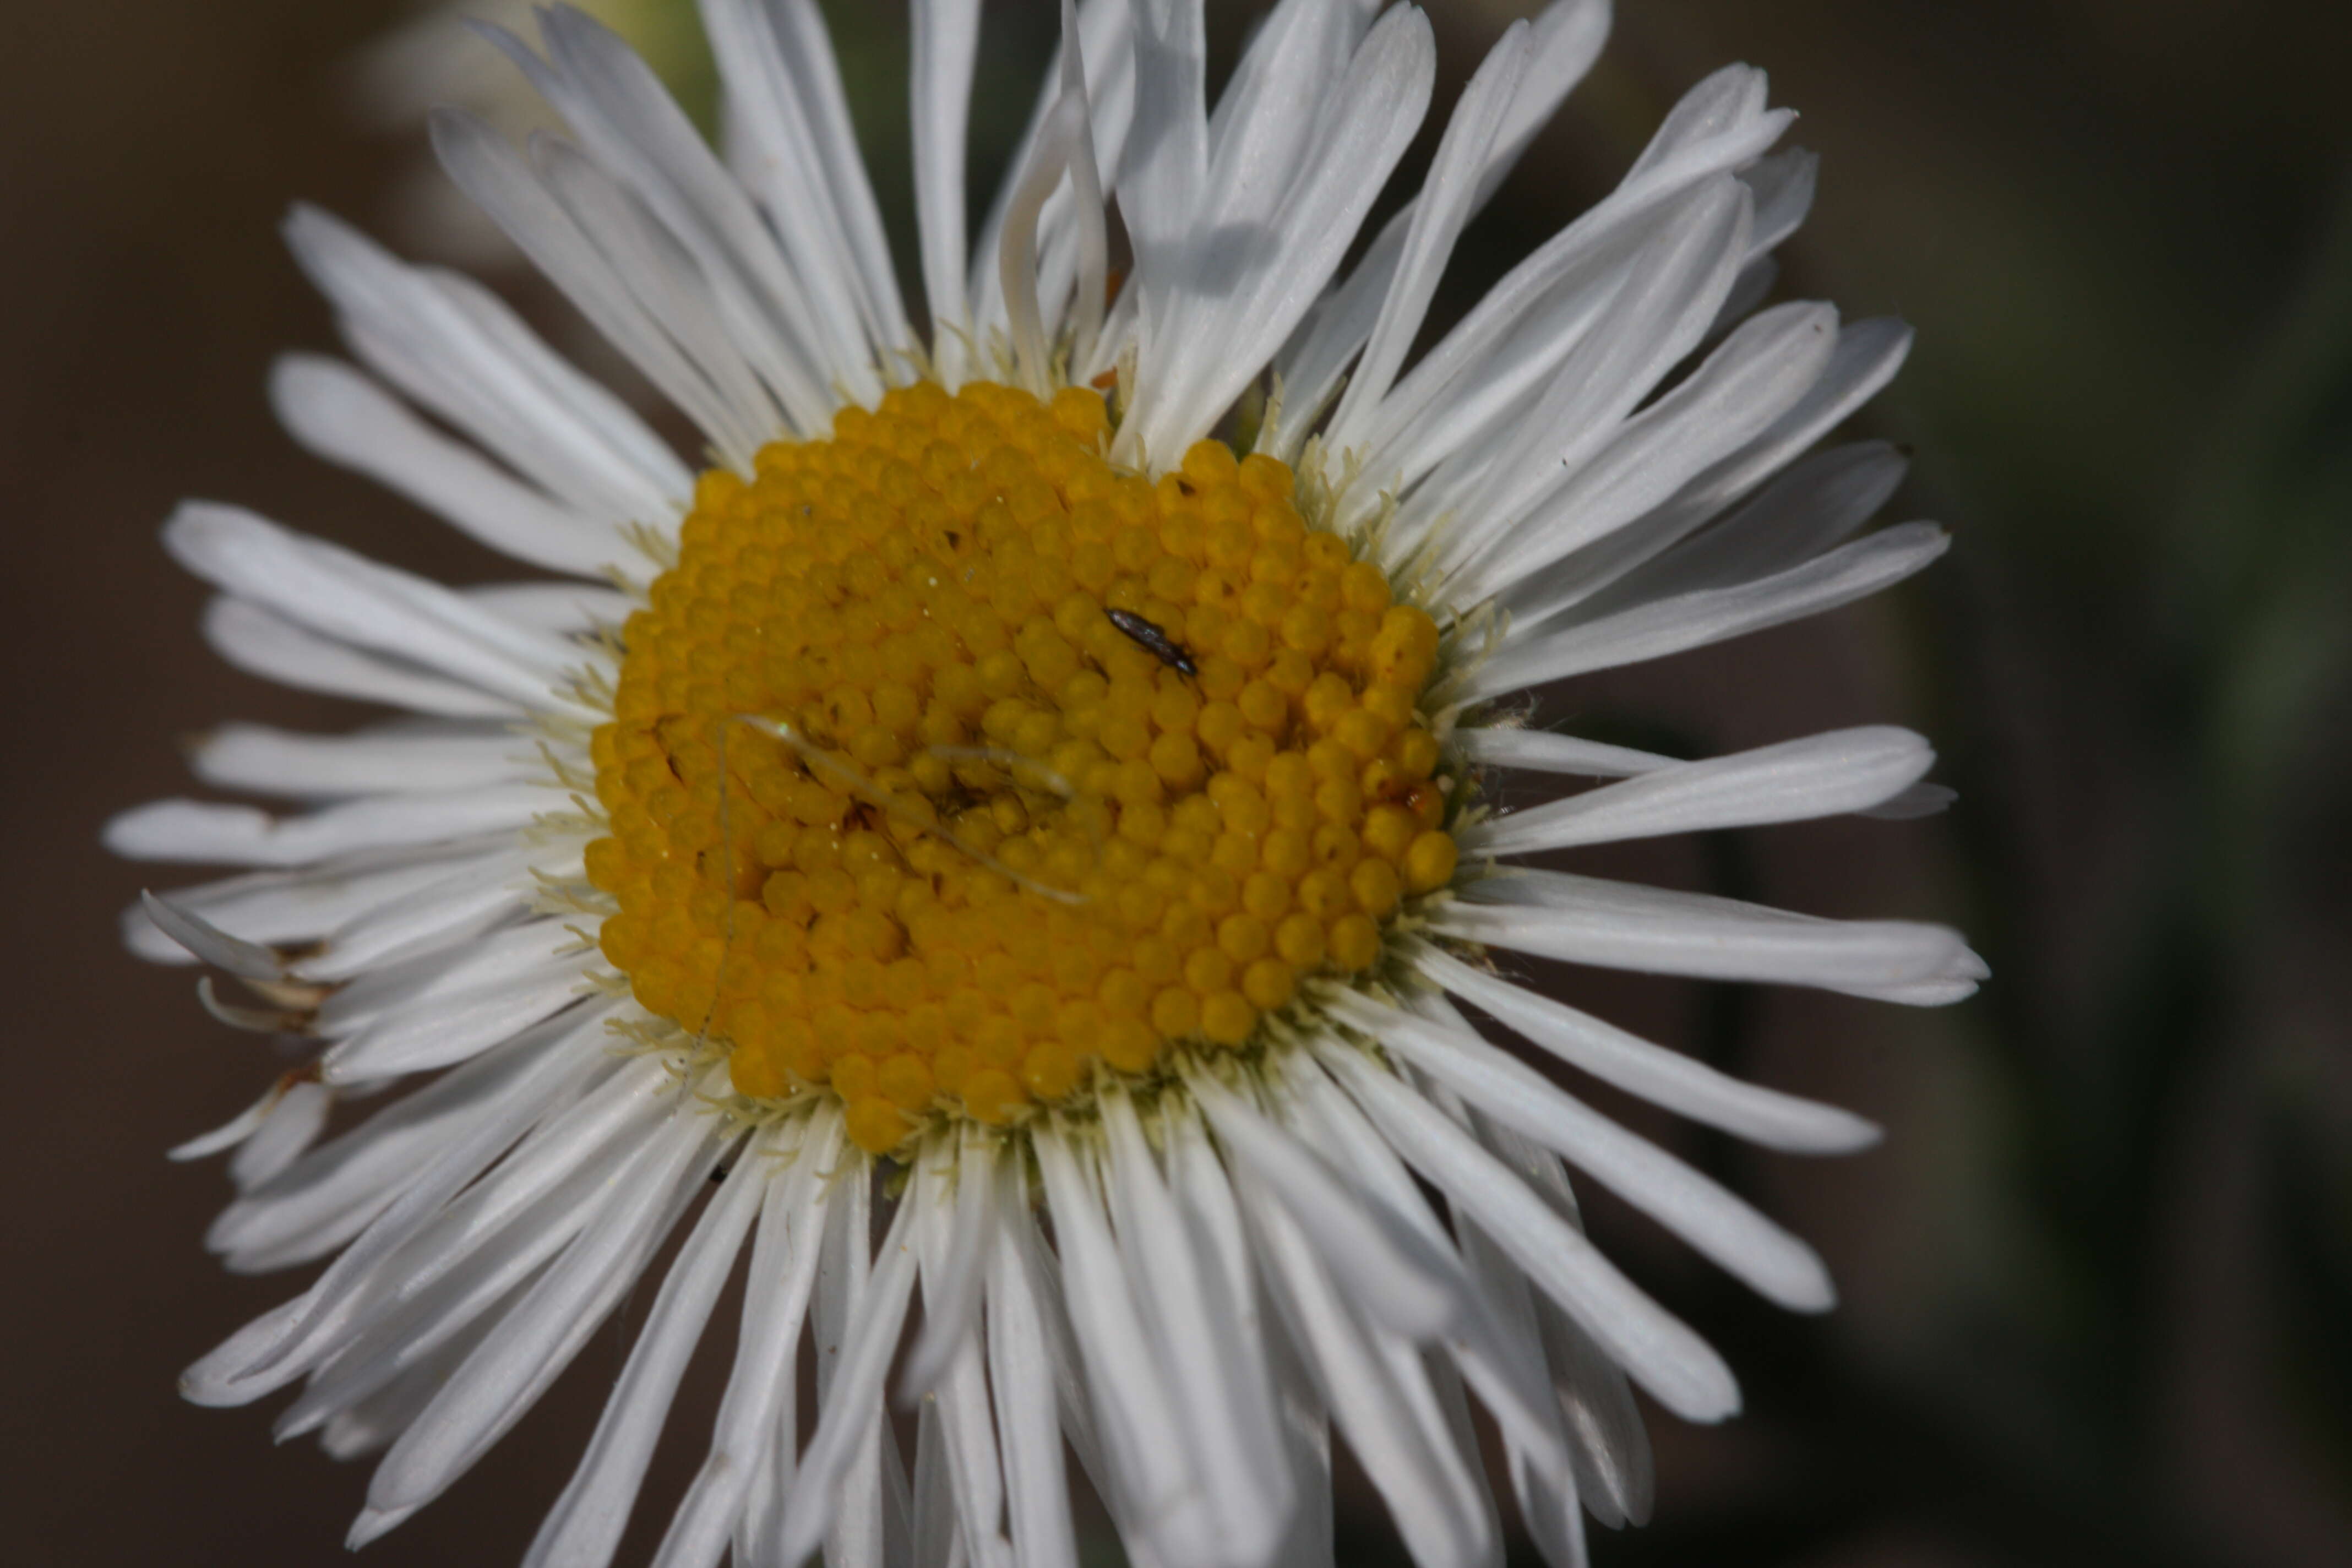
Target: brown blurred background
2098, 1281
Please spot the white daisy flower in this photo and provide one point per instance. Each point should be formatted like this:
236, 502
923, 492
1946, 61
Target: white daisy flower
981, 808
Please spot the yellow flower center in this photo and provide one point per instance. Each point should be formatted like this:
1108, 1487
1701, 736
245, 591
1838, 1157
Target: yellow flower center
951, 765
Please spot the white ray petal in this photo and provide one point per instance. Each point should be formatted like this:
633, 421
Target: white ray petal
1423, 1483
246, 959
457, 905
1134, 1412
342, 416
584, 1527
1505, 1368
959, 1476
1062, 155
1396, 1276
1661, 1077
1585, 919
265, 760
1815, 505
1703, 1213
1657, 317
260, 643
394, 1171
1230, 306
1228, 1420
1678, 1368
952, 1286
1649, 631
459, 1022
402, 1322
300, 905
1866, 357
853, 1404
566, 609
1746, 383
1020, 1367
1567, 37
946, 41
292, 1125
338, 594
455, 349
784, 85
514, 1364
1547, 751
1682, 163
784, 1256
1448, 195
1795, 781
210, 833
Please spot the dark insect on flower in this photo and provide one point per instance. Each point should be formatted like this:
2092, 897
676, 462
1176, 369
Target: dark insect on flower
1171, 652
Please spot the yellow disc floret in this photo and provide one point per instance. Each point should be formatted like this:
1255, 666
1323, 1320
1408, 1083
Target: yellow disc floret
950, 762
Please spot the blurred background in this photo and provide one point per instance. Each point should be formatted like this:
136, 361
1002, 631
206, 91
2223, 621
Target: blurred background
2098, 1279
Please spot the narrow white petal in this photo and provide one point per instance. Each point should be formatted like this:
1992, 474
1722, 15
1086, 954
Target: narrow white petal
1815, 505
1795, 781
231, 1133
340, 594
566, 609
784, 88
1547, 751
209, 833
394, 1171
586, 1524
1503, 1363
1740, 390
563, 243
1566, 39
1661, 1077
298, 905
853, 1404
1228, 1417
946, 40
453, 347
1421, 1483
292, 1125
784, 1256
246, 959
952, 1286
803, 340
668, 282
1396, 1276
1678, 1368
1448, 196
534, 1343
389, 758
1585, 919
1611, 1448
483, 893
459, 1022
1700, 1211
1218, 332
1586, 414
1151, 1477
1020, 1369
959, 1484
262, 643
1715, 615
1681, 163
346, 418
1866, 357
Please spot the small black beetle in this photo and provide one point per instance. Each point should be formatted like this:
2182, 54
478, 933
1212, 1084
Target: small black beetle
1171, 652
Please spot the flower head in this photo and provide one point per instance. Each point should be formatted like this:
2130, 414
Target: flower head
984, 795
